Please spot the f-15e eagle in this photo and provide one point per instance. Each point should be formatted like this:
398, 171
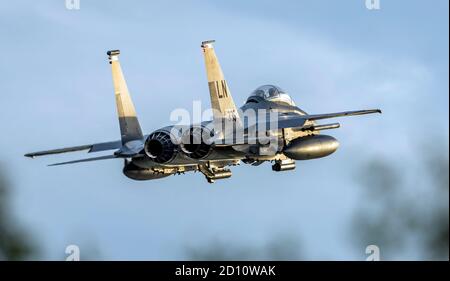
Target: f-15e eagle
281, 134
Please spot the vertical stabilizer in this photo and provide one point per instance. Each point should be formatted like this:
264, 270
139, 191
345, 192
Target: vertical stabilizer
221, 99
129, 125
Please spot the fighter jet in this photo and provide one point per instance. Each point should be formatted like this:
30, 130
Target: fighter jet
269, 127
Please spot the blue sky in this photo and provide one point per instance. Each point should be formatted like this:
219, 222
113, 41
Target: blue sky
329, 55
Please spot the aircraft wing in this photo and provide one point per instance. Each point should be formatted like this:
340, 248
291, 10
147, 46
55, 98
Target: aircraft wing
340, 114
96, 147
284, 121
288, 121
295, 121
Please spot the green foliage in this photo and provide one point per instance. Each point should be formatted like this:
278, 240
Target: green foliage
406, 212
14, 242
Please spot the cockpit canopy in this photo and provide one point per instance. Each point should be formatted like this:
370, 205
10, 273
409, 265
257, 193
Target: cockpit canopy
271, 93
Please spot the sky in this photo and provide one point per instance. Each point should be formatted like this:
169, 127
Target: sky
329, 55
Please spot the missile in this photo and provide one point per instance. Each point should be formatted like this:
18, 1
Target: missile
322, 127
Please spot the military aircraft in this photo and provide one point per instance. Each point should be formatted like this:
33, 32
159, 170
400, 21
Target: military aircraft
281, 134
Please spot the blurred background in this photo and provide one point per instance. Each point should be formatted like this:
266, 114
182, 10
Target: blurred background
387, 185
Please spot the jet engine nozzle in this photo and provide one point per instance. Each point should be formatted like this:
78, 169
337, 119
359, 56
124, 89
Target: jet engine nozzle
194, 142
160, 147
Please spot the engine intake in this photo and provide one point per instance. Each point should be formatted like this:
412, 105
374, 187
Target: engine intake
193, 142
160, 147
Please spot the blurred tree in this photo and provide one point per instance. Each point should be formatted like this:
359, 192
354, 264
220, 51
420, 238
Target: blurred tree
406, 211
281, 247
14, 242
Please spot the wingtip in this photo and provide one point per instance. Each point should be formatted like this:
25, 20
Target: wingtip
29, 155
379, 111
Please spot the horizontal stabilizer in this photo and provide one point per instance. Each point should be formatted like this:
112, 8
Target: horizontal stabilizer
85, 160
96, 147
